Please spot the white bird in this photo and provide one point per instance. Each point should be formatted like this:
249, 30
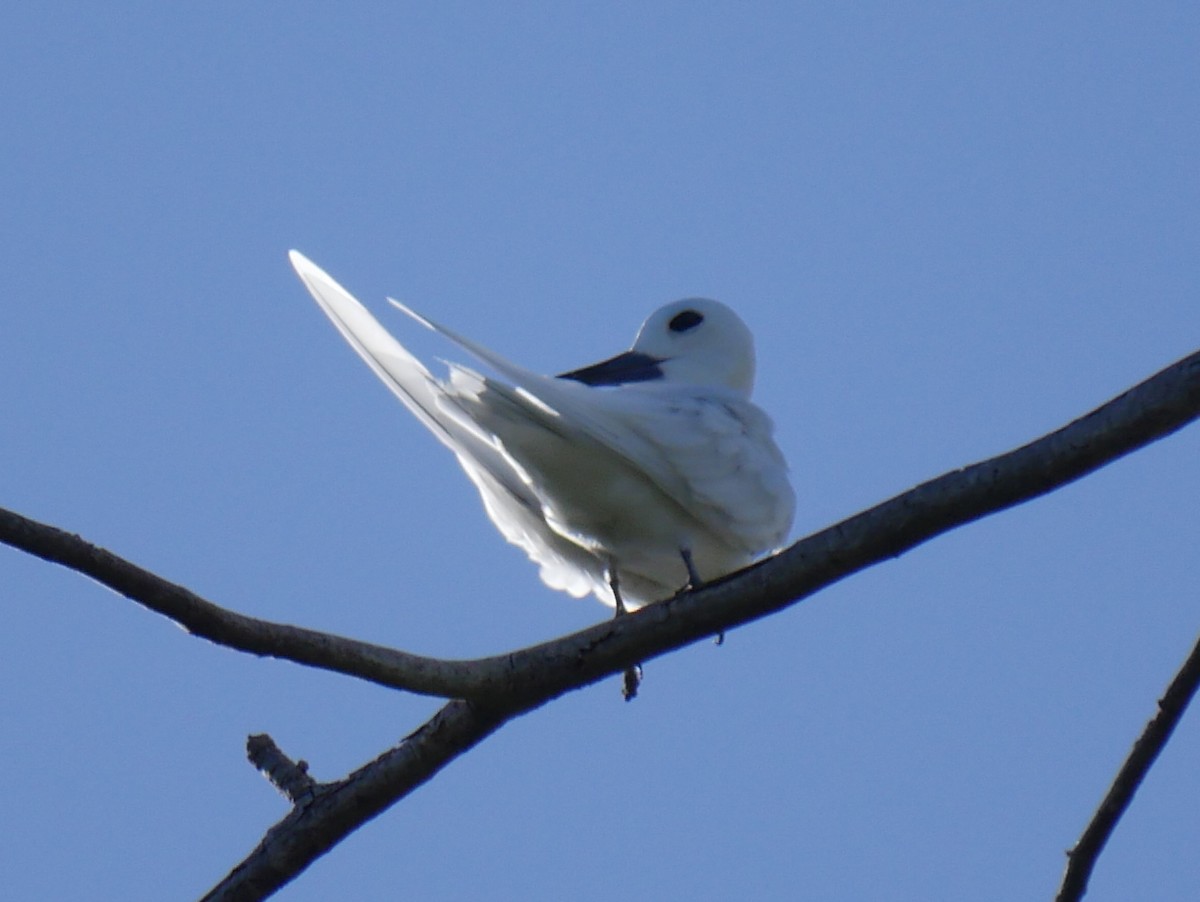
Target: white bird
632, 478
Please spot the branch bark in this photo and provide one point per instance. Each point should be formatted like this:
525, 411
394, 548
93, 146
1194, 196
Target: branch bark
490, 691
1082, 859
1149, 411
337, 809
375, 663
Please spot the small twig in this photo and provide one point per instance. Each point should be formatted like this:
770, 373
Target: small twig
1082, 859
340, 807
289, 777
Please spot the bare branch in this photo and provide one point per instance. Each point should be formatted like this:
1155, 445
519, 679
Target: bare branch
505, 686
375, 663
1152, 410
1082, 858
338, 809
289, 777
1149, 411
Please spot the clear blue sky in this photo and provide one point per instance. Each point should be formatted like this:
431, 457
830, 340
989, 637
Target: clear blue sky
953, 227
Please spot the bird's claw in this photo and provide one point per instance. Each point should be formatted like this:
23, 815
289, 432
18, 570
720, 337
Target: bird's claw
633, 679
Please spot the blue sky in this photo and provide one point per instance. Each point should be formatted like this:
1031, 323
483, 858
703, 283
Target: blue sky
952, 227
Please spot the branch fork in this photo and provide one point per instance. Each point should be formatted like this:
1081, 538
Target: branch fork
485, 693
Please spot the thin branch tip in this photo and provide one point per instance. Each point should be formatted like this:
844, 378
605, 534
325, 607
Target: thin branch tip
1081, 859
289, 777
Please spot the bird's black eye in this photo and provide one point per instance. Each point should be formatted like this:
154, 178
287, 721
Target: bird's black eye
689, 319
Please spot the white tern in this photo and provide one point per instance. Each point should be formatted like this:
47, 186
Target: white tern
632, 478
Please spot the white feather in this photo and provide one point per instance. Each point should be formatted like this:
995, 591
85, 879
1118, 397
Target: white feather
586, 479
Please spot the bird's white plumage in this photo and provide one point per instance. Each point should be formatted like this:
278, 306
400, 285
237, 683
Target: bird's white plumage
586, 475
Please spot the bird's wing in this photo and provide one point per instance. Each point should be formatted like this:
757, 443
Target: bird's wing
502, 483
710, 451
719, 452
406, 376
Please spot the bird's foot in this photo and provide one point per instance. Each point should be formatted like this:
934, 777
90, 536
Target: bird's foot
633, 675
615, 585
632, 680
695, 582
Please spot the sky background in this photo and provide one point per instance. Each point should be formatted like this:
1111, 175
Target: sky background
953, 227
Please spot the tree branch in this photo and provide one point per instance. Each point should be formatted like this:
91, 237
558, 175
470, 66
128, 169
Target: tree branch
1082, 858
1149, 411
337, 809
375, 663
289, 777
505, 686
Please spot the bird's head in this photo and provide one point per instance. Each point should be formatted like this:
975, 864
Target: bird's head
694, 342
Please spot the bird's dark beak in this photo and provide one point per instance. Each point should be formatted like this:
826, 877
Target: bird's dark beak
628, 367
